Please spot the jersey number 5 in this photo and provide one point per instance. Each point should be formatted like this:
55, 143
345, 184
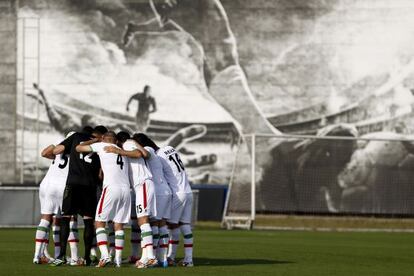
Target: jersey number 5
119, 161
177, 161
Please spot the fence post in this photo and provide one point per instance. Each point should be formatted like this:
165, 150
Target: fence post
253, 184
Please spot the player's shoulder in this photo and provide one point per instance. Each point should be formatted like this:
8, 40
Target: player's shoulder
149, 149
129, 144
167, 150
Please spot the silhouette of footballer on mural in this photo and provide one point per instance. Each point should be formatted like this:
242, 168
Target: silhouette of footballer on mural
146, 105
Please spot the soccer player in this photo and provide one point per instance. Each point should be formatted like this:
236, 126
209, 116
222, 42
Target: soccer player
80, 191
181, 208
50, 195
115, 202
181, 202
141, 178
163, 194
146, 105
135, 240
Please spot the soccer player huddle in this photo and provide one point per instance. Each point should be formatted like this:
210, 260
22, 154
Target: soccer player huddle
136, 182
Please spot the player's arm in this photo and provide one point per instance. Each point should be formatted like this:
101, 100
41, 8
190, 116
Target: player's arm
84, 148
136, 153
154, 105
169, 175
133, 97
58, 149
48, 152
64, 146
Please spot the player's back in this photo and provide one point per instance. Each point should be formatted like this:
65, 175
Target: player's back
169, 154
138, 168
114, 166
83, 168
156, 168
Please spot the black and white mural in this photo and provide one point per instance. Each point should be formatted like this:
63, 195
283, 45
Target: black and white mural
198, 73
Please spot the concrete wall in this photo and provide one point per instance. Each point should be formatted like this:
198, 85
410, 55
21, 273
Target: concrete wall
8, 46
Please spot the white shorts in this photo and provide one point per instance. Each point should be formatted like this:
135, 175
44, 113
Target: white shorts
114, 205
182, 205
51, 197
145, 201
164, 203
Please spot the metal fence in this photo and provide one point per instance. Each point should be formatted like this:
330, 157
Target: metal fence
324, 174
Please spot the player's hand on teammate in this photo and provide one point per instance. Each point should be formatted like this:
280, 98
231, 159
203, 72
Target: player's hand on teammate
111, 149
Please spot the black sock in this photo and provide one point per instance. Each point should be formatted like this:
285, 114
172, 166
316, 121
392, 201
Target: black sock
64, 235
88, 236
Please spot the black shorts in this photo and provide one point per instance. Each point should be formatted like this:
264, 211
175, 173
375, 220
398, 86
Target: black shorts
79, 200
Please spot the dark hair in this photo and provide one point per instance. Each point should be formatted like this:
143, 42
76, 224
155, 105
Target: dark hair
110, 134
87, 130
144, 141
100, 129
122, 136
146, 87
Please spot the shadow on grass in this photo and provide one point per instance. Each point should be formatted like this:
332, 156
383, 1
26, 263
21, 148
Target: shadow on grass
236, 262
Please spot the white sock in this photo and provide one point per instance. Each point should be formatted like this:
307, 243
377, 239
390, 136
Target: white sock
56, 239
73, 240
135, 239
155, 238
45, 247
119, 245
41, 234
93, 249
163, 244
173, 243
102, 242
146, 241
188, 242
111, 238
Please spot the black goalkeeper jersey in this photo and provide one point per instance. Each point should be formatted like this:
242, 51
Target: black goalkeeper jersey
83, 167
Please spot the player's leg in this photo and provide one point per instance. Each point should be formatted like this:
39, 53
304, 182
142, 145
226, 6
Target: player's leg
135, 240
56, 235
163, 243
102, 242
186, 231
73, 240
88, 210
155, 235
69, 205
177, 207
42, 232
102, 216
111, 238
94, 253
163, 214
145, 200
119, 243
120, 219
135, 231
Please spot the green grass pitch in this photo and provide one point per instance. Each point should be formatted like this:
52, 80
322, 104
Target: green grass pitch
221, 252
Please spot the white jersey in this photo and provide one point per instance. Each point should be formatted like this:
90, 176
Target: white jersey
58, 170
156, 168
173, 159
139, 172
115, 167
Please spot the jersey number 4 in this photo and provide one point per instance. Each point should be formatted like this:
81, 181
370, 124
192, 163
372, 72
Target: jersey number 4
119, 161
177, 161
